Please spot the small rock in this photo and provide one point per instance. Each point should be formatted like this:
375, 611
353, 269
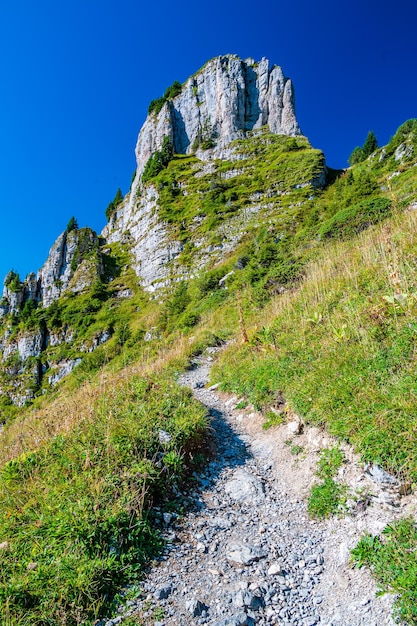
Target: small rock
167, 518
195, 607
240, 619
244, 553
380, 476
247, 599
245, 487
295, 427
164, 437
31, 566
274, 569
163, 592
4, 545
220, 522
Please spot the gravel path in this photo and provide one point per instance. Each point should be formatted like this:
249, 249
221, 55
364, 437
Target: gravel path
247, 552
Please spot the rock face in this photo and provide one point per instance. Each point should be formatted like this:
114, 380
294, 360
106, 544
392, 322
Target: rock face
224, 100
65, 257
147, 237
227, 99
72, 263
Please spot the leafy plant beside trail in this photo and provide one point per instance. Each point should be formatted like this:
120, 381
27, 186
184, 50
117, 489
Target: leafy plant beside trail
327, 497
391, 557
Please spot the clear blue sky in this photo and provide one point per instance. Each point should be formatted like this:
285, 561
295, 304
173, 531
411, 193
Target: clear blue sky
77, 77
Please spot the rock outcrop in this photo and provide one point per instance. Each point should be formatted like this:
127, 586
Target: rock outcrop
228, 99
65, 258
73, 262
225, 99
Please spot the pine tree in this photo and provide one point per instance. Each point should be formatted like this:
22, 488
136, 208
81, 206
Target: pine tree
370, 145
356, 156
72, 225
360, 154
118, 197
111, 207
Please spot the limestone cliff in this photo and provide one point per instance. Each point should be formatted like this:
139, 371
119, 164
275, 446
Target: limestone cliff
225, 99
229, 99
73, 262
223, 117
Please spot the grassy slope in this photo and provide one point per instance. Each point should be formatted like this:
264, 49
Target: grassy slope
338, 341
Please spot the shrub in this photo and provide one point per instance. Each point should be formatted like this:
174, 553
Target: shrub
159, 160
156, 105
111, 208
12, 282
356, 218
360, 154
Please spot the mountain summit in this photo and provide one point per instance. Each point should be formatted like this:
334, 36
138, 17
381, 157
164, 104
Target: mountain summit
221, 102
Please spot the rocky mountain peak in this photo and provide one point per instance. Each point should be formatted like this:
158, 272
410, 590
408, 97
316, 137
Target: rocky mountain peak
226, 98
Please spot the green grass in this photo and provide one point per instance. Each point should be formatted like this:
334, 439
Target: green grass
341, 347
76, 514
327, 497
392, 560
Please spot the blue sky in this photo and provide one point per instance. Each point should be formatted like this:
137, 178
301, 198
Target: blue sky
77, 78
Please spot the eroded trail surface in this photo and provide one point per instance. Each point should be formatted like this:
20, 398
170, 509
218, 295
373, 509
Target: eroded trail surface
248, 553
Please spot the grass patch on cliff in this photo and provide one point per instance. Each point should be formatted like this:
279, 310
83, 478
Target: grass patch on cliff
271, 170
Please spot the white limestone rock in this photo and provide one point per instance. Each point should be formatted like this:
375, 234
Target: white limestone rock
224, 100
30, 344
66, 257
62, 369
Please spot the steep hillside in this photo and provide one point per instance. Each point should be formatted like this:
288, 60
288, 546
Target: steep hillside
234, 228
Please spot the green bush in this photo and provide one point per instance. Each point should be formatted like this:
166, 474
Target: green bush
13, 282
112, 206
356, 218
360, 154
